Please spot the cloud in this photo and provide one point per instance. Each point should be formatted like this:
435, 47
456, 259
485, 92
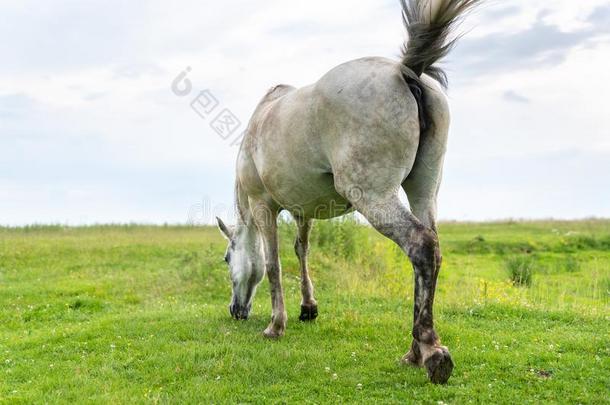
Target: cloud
600, 17
515, 97
526, 187
501, 12
89, 125
539, 46
137, 70
15, 105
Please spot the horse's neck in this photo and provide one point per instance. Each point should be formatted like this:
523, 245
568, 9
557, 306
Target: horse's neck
249, 233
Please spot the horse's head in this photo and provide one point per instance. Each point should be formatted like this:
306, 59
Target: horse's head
244, 256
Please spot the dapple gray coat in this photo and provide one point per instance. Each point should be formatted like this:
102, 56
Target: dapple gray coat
351, 141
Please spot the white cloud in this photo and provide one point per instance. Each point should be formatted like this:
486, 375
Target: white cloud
87, 115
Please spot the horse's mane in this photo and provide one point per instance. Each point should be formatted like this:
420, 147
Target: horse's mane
239, 209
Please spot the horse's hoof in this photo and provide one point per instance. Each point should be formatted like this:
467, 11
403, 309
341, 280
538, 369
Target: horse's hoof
308, 313
411, 359
272, 333
439, 366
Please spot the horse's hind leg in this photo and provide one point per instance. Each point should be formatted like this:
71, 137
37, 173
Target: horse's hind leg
391, 218
309, 306
422, 184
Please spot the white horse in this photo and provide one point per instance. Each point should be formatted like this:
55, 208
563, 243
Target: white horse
351, 141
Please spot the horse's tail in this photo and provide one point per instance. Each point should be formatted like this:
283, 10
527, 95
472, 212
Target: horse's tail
429, 25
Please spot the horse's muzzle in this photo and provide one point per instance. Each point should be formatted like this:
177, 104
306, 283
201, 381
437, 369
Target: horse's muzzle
239, 311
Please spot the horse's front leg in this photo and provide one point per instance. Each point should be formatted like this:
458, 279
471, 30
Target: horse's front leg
309, 306
265, 217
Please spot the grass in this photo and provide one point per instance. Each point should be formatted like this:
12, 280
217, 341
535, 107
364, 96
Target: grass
136, 314
520, 270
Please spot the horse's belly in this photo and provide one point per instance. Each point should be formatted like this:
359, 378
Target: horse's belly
323, 208
310, 197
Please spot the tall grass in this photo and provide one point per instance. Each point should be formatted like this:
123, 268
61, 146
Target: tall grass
344, 237
521, 269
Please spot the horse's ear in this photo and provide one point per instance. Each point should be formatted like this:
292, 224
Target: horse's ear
226, 231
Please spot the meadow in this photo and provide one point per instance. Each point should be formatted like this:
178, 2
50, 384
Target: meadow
138, 314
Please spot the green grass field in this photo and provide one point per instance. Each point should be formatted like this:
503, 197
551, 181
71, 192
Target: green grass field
132, 314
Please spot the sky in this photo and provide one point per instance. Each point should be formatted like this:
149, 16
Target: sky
97, 125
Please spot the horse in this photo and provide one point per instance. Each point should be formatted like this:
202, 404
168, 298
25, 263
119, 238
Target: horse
350, 142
